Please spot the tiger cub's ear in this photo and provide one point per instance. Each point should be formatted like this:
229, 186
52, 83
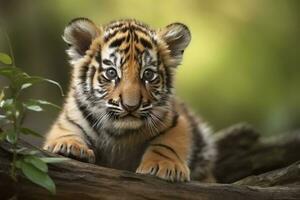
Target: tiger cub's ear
79, 35
177, 37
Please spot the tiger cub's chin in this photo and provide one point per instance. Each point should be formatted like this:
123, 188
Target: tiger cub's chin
127, 67
129, 122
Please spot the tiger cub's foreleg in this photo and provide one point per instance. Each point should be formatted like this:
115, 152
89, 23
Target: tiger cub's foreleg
167, 155
68, 141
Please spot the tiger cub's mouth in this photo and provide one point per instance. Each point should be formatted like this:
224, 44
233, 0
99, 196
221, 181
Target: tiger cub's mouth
129, 119
129, 115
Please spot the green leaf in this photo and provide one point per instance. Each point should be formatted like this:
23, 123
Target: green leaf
56, 84
6, 59
37, 162
54, 160
11, 72
31, 105
36, 79
2, 94
21, 150
11, 136
38, 177
6, 104
43, 102
35, 104
28, 131
21, 80
8, 107
25, 85
33, 152
28, 152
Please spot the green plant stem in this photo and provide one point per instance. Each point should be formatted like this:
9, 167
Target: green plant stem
17, 118
13, 168
16, 127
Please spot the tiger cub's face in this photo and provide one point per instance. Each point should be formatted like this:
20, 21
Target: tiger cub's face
123, 71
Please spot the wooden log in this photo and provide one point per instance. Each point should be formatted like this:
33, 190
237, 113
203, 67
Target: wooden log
242, 152
77, 180
287, 176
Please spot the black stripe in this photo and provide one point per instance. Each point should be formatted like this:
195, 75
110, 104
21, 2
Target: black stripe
123, 30
173, 124
61, 126
197, 138
168, 82
139, 51
156, 81
166, 147
125, 60
92, 74
101, 81
174, 121
139, 29
83, 73
112, 102
110, 36
146, 43
126, 49
163, 100
88, 139
114, 26
160, 154
128, 38
87, 114
107, 62
98, 58
117, 42
135, 37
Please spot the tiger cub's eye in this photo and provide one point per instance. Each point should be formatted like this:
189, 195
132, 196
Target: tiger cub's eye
111, 73
149, 75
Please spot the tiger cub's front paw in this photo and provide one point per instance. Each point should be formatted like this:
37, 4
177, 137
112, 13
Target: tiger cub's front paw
166, 168
71, 148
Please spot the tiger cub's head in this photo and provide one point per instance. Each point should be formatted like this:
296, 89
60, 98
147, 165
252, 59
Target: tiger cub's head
123, 71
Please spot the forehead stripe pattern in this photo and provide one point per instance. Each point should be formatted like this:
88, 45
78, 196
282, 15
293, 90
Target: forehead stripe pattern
117, 42
146, 43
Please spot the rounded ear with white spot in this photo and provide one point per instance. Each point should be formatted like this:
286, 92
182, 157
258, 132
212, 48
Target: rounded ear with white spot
79, 35
177, 37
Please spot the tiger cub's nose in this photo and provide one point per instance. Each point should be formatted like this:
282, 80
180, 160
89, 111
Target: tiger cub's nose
131, 104
130, 108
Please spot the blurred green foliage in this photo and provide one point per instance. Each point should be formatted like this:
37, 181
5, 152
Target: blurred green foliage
13, 111
242, 63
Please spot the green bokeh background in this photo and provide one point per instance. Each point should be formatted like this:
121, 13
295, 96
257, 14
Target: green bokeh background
242, 63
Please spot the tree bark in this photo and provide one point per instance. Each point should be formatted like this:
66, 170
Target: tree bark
287, 176
77, 180
242, 152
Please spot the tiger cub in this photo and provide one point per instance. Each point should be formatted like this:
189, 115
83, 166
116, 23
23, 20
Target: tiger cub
121, 111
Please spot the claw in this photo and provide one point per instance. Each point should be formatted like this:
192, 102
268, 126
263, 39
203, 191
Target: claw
170, 170
71, 148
